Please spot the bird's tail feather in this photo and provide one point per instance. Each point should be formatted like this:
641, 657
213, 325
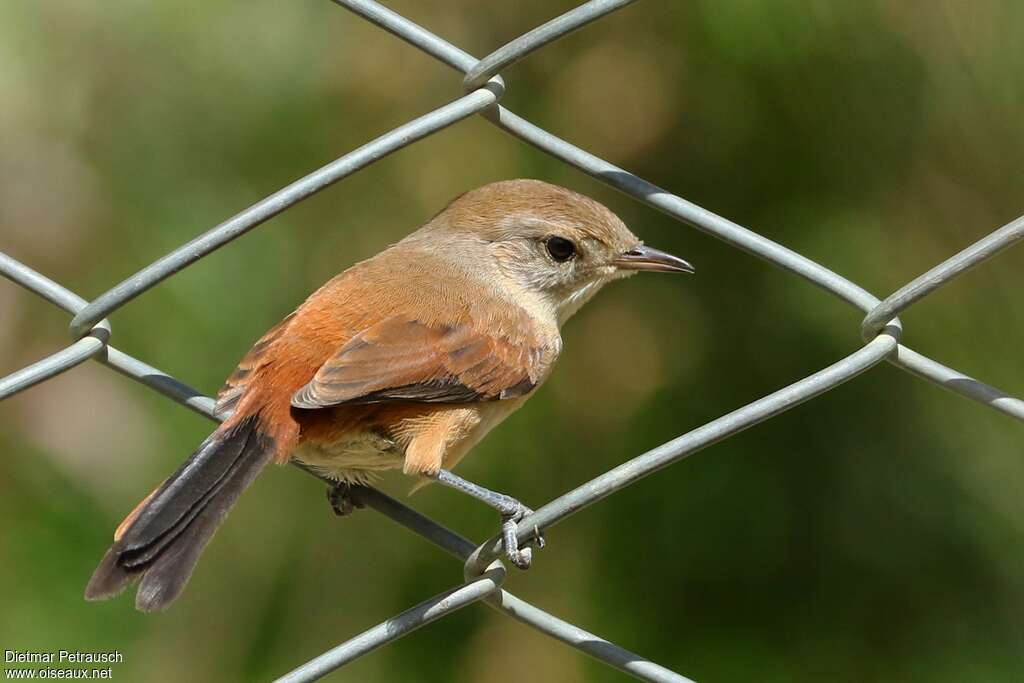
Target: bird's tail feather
162, 538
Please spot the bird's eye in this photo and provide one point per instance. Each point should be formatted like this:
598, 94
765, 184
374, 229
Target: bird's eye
560, 248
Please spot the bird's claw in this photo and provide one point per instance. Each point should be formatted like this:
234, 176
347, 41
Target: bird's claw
340, 497
520, 557
538, 538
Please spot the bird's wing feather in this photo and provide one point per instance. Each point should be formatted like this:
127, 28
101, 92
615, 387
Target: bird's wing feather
234, 386
400, 359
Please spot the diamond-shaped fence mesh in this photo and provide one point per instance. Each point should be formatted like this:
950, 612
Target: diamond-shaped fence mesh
484, 574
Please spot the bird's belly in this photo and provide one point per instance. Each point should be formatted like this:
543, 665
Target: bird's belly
354, 460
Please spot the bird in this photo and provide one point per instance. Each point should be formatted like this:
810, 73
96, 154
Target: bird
403, 361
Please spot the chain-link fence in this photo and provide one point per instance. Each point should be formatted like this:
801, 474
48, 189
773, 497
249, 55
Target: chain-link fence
484, 574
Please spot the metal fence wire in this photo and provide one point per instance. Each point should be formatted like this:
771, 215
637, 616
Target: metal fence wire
484, 574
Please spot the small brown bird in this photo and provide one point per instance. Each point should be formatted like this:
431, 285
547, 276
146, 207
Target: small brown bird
404, 360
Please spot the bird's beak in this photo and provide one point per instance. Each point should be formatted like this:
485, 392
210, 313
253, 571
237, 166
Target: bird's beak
642, 257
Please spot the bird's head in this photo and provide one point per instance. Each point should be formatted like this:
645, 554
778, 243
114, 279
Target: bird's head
547, 239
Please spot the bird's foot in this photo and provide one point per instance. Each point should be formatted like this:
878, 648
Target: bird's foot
339, 495
511, 510
513, 513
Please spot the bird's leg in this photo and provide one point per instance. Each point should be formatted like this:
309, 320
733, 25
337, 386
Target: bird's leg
339, 495
510, 509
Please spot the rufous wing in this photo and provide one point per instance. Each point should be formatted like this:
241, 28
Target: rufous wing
399, 359
234, 386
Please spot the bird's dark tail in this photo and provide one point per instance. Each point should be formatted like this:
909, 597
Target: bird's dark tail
161, 539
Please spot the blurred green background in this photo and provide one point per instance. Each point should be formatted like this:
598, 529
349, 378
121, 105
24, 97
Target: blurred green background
872, 534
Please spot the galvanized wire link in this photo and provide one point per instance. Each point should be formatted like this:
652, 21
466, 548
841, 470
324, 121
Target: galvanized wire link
920, 287
483, 573
82, 350
558, 27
